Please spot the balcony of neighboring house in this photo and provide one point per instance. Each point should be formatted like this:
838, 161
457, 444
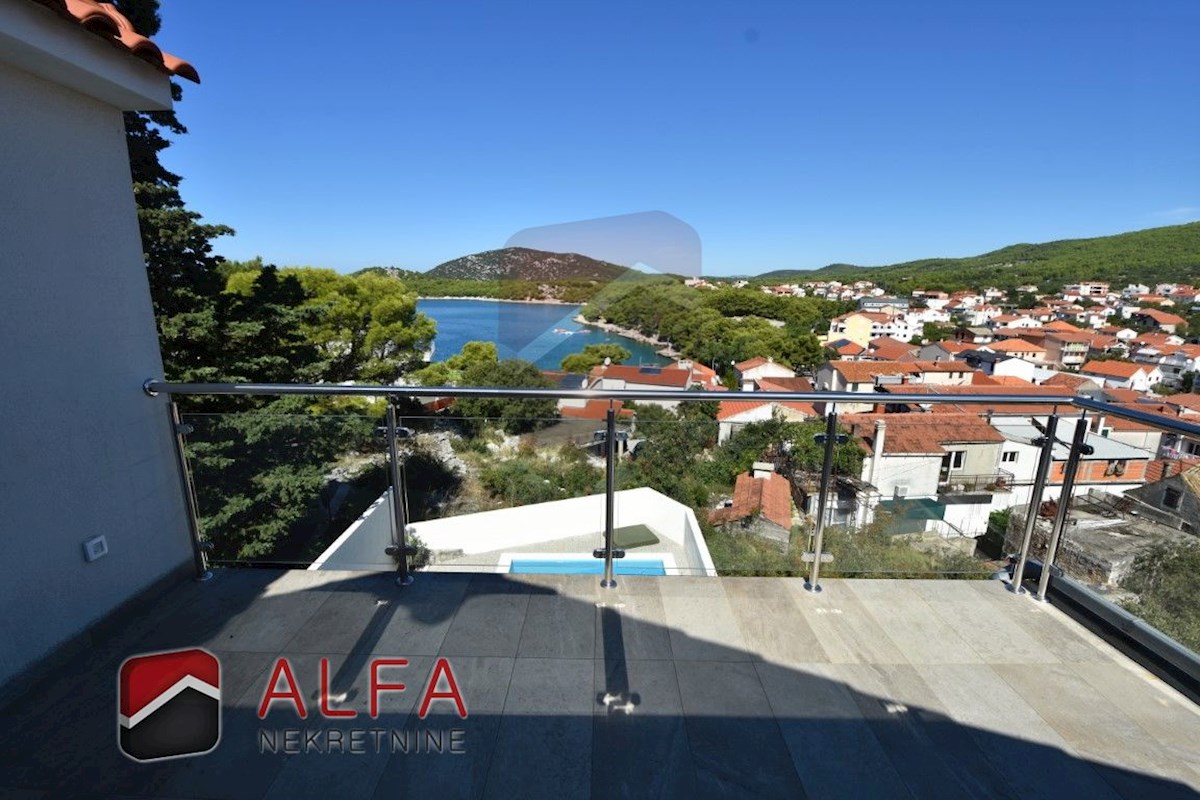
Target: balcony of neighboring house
950, 482
602, 643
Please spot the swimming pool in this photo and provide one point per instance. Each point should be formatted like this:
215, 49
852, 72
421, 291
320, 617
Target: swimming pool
586, 566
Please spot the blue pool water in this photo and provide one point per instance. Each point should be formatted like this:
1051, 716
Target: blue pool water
586, 566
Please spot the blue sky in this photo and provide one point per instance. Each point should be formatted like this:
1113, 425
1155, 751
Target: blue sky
788, 134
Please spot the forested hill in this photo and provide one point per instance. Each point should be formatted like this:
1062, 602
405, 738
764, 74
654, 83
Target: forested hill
524, 264
1170, 254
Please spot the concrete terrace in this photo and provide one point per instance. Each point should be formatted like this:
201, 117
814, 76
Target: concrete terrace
724, 687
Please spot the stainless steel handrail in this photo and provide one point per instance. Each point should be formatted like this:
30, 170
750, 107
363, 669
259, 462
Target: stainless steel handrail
154, 387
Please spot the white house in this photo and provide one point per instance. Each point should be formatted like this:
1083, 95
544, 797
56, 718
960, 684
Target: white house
1123, 375
732, 415
757, 368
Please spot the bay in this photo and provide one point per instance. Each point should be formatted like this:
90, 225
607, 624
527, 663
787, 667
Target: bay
521, 330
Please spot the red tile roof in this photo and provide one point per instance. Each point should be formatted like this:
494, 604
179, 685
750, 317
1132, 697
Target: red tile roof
1160, 469
1015, 346
732, 408
1183, 400
664, 376
105, 21
751, 363
850, 349
865, 371
1068, 381
1114, 369
886, 348
1059, 325
1160, 317
797, 384
1123, 396
922, 434
769, 496
594, 409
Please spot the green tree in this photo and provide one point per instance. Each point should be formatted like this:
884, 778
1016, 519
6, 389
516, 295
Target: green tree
517, 415
1164, 578
450, 372
178, 247
366, 326
593, 355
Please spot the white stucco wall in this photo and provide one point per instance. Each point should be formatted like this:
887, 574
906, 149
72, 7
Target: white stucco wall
362, 546
918, 474
83, 451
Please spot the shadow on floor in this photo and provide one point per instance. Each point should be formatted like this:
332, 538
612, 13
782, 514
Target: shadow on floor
570, 694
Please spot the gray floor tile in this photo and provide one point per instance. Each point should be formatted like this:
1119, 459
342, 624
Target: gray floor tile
737, 747
774, 629
703, 628
912, 625
1092, 726
1010, 732
443, 774
558, 627
639, 740
845, 629
833, 748
543, 748
634, 627
487, 623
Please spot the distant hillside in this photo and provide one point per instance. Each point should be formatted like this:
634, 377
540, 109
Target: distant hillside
523, 264
1148, 256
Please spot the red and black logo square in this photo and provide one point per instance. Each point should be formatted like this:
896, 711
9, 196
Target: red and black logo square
169, 704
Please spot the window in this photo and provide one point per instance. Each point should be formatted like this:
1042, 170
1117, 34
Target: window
1009, 458
957, 458
1115, 468
1171, 498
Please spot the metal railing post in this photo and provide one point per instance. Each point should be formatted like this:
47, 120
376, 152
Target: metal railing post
831, 426
199, 547
1035, 501
610, 484
1078, 446
404, 576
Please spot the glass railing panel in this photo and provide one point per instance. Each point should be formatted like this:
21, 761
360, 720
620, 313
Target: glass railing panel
280, 488
515, 494
1131, 538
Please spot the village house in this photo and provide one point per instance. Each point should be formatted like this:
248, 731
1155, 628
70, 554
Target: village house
757, 368
1162, 320
761, 505
1123, 374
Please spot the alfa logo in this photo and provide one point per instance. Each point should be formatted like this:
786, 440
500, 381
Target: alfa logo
169, 704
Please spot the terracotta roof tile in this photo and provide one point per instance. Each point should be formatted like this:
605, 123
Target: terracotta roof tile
797, 384
757, 361
1160, 469
1160, 317
1068, 381
594, 409
1183, 400
1123, 396
888, 349
922, 434
732, 408
1114, 369
649, 376
1015, 346
769, 496
106, 22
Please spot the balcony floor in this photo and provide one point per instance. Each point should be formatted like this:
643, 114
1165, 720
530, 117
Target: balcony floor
736, 687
